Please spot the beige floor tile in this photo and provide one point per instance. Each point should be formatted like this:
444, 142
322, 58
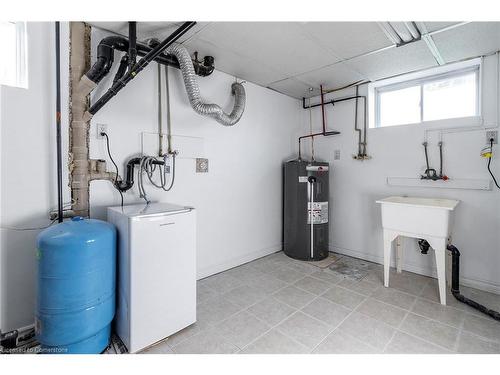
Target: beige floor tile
394, 297
302, 267
383, 312
326, 311
267, 283
274, 342
304, 329
160, 348
375, 276
241, 329
245, 296
403, 343
214, 311
312, 285
184, 334
343, 297
245, 273
434, 310
368, 330
204, 293
205, 342
430, 330
271, 311
359, 286
487, 328
327, 275
408, 282
266, 265
294, 297
287, 274
338, 342
222, 282
472, 344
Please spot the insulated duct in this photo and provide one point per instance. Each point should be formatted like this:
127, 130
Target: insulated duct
193, 90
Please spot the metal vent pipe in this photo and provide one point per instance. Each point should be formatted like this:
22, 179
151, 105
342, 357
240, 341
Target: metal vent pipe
193, 90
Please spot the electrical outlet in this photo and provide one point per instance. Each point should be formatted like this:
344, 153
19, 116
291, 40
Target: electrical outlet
336, 155
101, 128
492, 134
201, 165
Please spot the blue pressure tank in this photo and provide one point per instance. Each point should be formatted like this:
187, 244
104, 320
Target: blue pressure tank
76, 286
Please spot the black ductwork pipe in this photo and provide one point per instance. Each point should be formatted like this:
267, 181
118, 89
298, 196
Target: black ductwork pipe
105, 58
132, 46
129, 179
122, 68
58, 125
455, 287
141, 64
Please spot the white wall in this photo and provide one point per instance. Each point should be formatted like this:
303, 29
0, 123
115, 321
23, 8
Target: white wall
238, 201
27, 175
397, 151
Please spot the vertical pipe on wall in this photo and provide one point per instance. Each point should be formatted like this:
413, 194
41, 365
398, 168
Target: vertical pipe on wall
58, 124
323, 108
169, 118
79, 128
160, 124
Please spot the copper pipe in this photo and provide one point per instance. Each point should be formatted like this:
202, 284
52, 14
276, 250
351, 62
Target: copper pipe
323, 108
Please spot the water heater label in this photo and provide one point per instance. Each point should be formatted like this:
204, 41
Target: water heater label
302, 178
319, 212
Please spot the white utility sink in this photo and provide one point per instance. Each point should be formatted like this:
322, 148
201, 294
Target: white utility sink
427, 218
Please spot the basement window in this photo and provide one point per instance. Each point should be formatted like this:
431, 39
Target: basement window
443, 93
13, 61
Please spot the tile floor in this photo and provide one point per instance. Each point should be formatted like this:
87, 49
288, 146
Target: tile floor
278, 305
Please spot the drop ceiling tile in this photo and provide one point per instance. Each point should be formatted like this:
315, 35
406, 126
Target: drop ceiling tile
281, 45
331, 77
394, 61
161, 32
470, 40
348, 39
148, 30
292, 87
434, 26
235, 64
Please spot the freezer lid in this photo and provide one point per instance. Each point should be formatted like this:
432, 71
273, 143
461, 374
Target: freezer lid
151, 209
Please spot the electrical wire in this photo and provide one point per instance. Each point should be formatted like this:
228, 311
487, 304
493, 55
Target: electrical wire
32, 228
489, 162
116, 167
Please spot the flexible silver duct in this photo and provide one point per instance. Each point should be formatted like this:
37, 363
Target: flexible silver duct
193, 90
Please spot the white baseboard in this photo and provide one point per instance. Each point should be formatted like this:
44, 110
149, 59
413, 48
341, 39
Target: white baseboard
237, 261
485, 285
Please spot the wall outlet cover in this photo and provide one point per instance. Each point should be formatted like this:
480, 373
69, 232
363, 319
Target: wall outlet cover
492, 134
101, 128
336, 155
201, 165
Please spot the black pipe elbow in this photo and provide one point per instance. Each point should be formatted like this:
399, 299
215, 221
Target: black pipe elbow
105, 57
129, 179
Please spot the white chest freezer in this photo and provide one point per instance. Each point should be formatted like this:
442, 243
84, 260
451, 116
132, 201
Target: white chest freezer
156, 284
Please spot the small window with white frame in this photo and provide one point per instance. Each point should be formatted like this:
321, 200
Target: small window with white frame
13, 60
443, 93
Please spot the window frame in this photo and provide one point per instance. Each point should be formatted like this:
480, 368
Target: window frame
420, 79
21, 78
